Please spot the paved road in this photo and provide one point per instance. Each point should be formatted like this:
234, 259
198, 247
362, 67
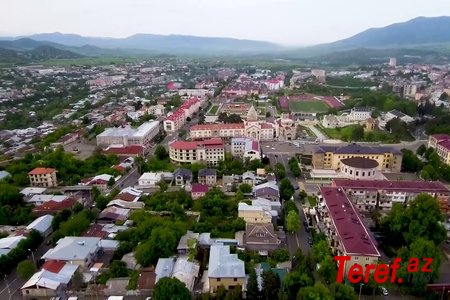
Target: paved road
129, 179
299, 239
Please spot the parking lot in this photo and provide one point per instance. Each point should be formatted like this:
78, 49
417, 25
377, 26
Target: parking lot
81, 148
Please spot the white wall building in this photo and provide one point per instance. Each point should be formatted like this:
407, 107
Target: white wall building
128, 136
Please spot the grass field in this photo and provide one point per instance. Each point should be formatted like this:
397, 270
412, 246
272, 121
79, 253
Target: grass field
308, 106
213, 110
344, 134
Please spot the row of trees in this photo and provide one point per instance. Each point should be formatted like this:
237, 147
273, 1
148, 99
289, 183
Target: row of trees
13, 210
430, 167
293, 165
74, 225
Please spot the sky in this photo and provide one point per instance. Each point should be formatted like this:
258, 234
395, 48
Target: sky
286, 22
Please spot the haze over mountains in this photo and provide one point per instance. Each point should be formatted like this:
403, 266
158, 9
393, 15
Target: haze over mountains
420, 31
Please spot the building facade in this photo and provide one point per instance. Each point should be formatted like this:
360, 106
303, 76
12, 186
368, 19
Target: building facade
344, 229
43, 177
441, 144
127, 136
208, 151
224, 269
329, 157
177, 119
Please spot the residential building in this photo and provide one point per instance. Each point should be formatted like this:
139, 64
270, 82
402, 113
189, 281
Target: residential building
199, 190
208, 151
392, 62
207, 176
268, 190
75, 250
43, 177
250, 178
329, 157
360, 113
149, 180
261, 237
370, 194
254, 214
127, 136
157, 110
441, 144
183, 245
246, 148
182, 177
52, 280
330, 121
409, 90
42, 224
344, 229
181, 268
4, 175
52, 207
224, 268
9, 243
287, 130
177, 119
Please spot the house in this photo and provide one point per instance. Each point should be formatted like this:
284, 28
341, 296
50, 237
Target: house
273, 206
41, 199
180, 268
207, 176
268, 190
224, 268
254, 214
43, 177
182, 176
198, 190
9, 243
52, 207
149, 180
246, 148
282, 272
52, 280
249, 177
75, 250
129, 194
4, 175
111, 214
398, 114
261, 237
164, 268
125, 204
183, 244
42, 224
100, 181
29, 192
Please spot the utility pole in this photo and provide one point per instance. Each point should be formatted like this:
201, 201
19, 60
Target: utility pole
360, 288
7, 284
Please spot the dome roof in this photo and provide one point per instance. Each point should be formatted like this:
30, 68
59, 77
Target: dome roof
360, 162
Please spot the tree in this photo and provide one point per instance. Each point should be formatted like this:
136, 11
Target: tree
292, 222
161, 152
316, 292
111, 182
429, 173
421, 150
139, 163
443, 96
320, 251
117, 269
253, 292
296, 280
328, 269
162, 243
343, 292
286, 189
77, 280
271, 285
245, 188
268, 115
163, 185
26, 269
171, 288
357, 133
410, 162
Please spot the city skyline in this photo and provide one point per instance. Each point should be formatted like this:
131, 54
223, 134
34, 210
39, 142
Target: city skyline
285, 22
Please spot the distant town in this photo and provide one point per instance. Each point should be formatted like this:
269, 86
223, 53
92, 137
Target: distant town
176, 178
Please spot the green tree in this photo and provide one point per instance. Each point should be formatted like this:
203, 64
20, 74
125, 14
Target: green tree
286, 189
316, 292
171, 288
271, 285
421, 150
429, 173
343, 292
410, 162
161, 152
328, 269
357, 133
117, 269
111, 182
253, 292
26, 269
162, 243
320, 251
245, 188
296, 280
292, 222
77, 281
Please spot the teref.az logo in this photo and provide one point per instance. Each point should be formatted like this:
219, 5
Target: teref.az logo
381, 272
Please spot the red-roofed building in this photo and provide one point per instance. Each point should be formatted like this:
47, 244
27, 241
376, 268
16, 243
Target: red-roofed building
52, 207
178, 118
44, 177
207, 151
133, 151
344, 229
370, 194
441, 143
199, 190
53, 266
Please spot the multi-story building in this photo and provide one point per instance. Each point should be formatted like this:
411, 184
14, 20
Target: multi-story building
329, 157
409, 90
370, 194
441, 144
359, 113
251, 127
208, 151
286, 128
178, 118
44, 177
207, 176
344, 229
254, 213
246, 148
224, 268
127, 136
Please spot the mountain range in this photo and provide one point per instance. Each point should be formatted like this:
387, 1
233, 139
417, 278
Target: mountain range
432, 33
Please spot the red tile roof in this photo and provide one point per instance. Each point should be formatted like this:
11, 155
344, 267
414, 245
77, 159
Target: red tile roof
193, 145
95, 230
217, 126
351, 231
441, 136
56, 206
40, 171
411, 186
129, 150
445, 144
199, 188
53, 266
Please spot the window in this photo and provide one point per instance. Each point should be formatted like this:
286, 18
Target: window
234, 279
218, 279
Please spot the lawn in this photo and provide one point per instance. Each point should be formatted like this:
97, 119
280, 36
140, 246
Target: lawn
213, 110
344, 134
308, 106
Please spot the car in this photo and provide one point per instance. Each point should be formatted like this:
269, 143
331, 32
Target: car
310, 241
384, 291
297, 188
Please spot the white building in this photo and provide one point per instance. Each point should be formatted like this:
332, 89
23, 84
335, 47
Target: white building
246, 148
149, 179
209, 151
128, 136
398, 114
359, 113
392, 62
409, 90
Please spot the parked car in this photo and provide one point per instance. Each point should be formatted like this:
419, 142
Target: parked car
310, 241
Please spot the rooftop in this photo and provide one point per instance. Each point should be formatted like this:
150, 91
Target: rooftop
352, 233
73, 248
411, 186
193, 145
41, 171
222, 264
360, 162
356, 149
